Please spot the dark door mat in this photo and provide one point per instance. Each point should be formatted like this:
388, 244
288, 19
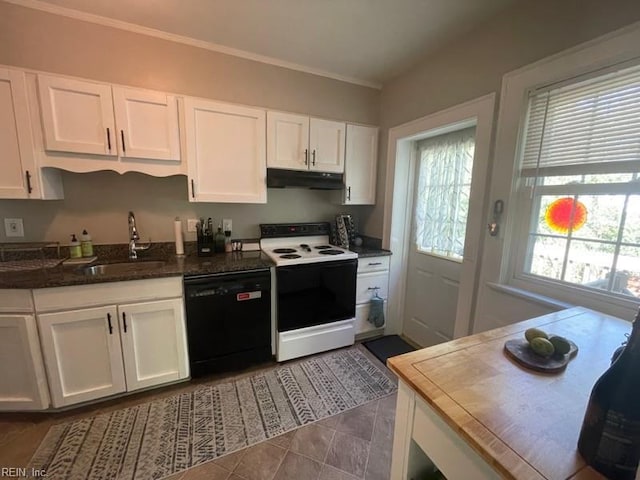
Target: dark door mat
388, 346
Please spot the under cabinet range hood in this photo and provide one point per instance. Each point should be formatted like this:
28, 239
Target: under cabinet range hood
280, 178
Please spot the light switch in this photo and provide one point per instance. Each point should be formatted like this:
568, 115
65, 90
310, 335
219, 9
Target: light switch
13, 227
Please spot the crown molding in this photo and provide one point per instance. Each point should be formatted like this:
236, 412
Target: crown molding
214, 47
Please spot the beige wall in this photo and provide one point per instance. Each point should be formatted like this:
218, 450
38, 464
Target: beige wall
99, 202
474, 65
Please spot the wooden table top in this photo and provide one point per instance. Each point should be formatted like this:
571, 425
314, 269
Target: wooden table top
523, 423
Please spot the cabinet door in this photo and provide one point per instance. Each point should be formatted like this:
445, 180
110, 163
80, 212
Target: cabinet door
360, 165
16, 161
77, 116
287, 141
82, 354
154, 345
23, 384
326, 143
147, 124
226, 152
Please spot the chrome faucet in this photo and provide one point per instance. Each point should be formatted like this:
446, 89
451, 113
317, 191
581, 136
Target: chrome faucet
134, 237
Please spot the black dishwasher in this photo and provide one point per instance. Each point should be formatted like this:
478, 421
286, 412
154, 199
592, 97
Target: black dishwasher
228, 320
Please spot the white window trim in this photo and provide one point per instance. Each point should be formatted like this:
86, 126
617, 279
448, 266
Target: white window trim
500, 256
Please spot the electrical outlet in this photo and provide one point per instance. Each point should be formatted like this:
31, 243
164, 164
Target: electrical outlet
13, 227
191, 224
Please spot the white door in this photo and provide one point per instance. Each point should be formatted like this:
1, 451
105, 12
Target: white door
361, 158
442, 202
154, 344
287, 141
326, 145
82, 354
23, 384
147, 124
16, 161
226, 152
77, 116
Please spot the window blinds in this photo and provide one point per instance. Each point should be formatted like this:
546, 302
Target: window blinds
591, 126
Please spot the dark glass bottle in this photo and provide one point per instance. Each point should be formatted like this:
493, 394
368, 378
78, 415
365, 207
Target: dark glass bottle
610, 436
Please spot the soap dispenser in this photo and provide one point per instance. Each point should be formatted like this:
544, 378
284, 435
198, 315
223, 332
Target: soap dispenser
75, 251
86, 244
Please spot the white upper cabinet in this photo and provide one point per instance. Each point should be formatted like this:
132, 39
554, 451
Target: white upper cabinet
360, 165
326, 144
17, 161
225, 152
288, 141
297, 142
147, 124
77, 116
91, 126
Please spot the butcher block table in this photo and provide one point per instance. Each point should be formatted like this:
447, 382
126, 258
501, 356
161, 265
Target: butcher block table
469, 409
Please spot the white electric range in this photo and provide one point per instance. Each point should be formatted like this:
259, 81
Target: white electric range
315, 288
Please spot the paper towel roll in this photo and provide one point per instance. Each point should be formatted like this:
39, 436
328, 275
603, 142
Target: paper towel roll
177, 229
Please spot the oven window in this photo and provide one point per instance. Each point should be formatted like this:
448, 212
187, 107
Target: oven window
316, 293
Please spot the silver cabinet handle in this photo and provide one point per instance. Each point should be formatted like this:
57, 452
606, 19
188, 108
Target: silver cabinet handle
313, 155
374, 263
348, 193
306, 156
108, 139
193, 188
373, 288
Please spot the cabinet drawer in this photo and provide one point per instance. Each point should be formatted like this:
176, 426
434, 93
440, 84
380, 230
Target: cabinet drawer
108, 293
373, 264
15, 301
363, 325
367, 282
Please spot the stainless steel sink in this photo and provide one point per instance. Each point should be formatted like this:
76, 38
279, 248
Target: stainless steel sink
122, 267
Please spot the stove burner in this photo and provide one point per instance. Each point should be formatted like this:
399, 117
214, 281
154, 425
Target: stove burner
322, 247
331, 251
284, 250
305, 247
290, 255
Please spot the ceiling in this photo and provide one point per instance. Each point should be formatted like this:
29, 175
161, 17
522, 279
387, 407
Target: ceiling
362, 41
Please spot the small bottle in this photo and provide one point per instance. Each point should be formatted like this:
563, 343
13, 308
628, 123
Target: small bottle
86, 244
219, 240
75, 250
227, 242
610, 436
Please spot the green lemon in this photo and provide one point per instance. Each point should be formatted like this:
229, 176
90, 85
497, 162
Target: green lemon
542, 347
532, 333
561, 344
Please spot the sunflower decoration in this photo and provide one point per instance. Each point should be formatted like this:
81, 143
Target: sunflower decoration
565, 214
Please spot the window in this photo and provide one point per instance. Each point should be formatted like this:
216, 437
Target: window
580, 179
444, 170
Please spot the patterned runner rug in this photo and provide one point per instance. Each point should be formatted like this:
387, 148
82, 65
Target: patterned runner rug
156, 439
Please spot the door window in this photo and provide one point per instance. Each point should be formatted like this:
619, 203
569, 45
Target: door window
445, 164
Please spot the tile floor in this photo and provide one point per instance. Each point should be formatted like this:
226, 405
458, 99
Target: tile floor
353, 445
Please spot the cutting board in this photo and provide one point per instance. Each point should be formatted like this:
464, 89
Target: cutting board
522, 353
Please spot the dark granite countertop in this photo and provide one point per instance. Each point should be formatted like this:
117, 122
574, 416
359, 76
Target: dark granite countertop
190, 264
174, 266
364, 252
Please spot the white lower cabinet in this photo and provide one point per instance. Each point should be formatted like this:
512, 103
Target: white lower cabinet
82, 353
153, 343
373, 276
23, 384
90, 353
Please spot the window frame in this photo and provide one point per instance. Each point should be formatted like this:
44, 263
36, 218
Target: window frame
502, 259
